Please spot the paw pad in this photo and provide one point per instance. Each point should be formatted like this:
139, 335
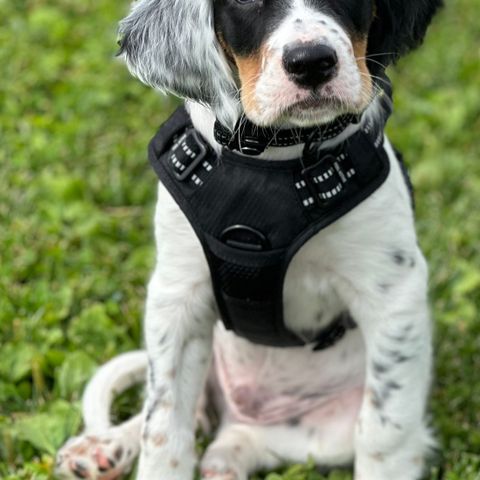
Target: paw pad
93, 458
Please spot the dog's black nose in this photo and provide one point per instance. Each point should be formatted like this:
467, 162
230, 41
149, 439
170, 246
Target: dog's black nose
310, 64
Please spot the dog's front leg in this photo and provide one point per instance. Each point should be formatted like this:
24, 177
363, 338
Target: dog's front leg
178, 334
392, 440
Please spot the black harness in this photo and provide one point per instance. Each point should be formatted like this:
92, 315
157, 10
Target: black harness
252, 216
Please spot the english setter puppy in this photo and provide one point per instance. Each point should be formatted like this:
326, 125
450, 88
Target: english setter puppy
281, 64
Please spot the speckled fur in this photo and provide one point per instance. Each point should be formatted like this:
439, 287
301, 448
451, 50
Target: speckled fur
360, 402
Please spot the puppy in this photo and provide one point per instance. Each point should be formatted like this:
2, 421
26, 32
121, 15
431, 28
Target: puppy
325, 350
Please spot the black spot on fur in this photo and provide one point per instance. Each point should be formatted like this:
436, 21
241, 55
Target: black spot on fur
387, 420
151, 372
294, 422
388, 389
384, 287
399, 258
397, 338
118, 453
392, 385
400, 358
395, 355
80, 470
379, 397
408, 328
158, 395
380, 368
376, 400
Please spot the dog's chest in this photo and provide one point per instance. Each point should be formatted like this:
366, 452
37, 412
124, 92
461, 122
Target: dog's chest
312, 297
269, 385
311, 300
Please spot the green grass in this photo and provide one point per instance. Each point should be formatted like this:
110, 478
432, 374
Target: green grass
77, 198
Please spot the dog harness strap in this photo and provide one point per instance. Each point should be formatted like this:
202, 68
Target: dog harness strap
251, 139
252, 216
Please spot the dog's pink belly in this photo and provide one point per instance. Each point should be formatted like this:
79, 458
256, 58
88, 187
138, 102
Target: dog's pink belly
269, 386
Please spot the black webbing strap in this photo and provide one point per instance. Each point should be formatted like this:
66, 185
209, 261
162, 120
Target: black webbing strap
250, 139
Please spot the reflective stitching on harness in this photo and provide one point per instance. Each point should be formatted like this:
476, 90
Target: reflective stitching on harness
186, 154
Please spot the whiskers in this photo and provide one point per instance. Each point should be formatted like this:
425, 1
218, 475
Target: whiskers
370, 58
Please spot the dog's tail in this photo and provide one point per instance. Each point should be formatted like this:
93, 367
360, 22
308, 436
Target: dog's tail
117, 375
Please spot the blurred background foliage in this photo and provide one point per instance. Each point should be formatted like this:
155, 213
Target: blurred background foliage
77, 197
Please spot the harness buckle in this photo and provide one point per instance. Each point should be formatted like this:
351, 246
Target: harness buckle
183, 152
245, 238
251, 146
324, 180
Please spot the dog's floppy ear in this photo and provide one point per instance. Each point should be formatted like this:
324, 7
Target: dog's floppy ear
171, 45
399, 26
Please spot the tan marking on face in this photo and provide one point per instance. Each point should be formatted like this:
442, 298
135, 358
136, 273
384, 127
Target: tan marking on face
225, 48
249, 70
360, 52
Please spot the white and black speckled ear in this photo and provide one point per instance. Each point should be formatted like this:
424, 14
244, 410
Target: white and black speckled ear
399, 26
171, 45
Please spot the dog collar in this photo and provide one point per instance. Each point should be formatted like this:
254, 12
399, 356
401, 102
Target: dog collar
252, 216
250, 139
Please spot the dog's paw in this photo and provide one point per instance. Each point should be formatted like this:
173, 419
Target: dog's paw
94, 458
220, 465
214, 474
